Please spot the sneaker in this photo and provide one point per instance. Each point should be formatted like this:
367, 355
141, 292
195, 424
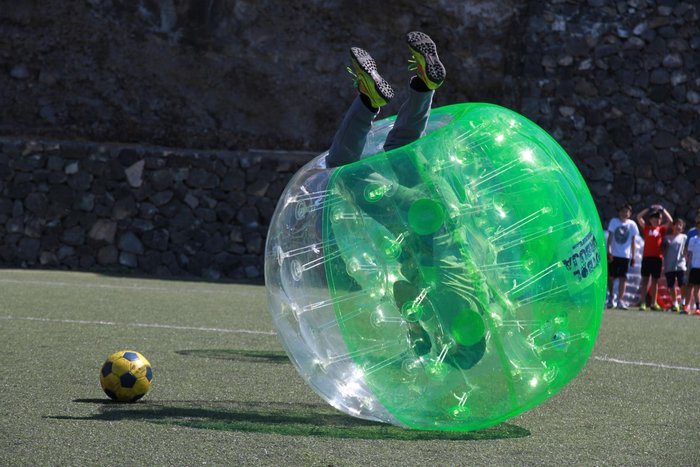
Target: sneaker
643, 307
367, 78
418, 337
676, 307
428, 66
685, 310
609, 304
697, 311
656, 307
622, 306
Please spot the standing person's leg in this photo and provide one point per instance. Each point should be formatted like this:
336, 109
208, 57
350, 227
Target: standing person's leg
692, 290
653, 291
621, 292
655, 274
671, 284
682, 286
373, 93
621, 273
643, 289
689, 292
644, 286
611, 284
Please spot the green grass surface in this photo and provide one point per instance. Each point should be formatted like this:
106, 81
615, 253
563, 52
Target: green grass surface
225, 394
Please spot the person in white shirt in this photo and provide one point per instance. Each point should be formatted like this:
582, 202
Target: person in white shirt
694, 276
692, 233
621, 248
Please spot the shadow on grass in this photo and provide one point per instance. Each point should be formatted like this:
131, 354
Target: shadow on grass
276, 418
238, 355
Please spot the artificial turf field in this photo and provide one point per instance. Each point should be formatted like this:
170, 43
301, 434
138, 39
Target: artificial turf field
224, 392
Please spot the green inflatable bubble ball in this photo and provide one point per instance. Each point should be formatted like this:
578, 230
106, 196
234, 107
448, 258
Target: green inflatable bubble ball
449, 284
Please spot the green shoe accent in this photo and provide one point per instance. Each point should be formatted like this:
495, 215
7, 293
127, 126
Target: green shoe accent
428, 66
643, 307
367, 78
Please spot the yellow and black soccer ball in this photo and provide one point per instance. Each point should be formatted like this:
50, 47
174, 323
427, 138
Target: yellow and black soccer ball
126, 376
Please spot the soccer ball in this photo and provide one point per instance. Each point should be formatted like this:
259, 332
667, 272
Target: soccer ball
126, 376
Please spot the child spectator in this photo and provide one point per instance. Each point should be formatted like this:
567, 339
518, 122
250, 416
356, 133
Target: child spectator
692, 233
654, 233
675, 245
694, 276
621, 248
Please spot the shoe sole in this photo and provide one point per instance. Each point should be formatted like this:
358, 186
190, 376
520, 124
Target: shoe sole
366, 69
425, 52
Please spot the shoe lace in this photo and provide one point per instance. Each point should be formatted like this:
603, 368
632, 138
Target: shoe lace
355, 78
412, 64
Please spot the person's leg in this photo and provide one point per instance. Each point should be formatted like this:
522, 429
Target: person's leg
643, 288
351, 136
657, 265
613, 273
693, 289
653, 289
690, 293
430, 74
671, 284
680, 276
611, 283
620, 271
373, 93
412, 118
621, 292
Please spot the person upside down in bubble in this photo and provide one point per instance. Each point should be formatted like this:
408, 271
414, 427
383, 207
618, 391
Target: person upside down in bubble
429, 313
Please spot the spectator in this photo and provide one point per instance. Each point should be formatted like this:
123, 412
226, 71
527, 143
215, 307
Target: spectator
694, 276
654, 233
675, 246
692, 233
621, 249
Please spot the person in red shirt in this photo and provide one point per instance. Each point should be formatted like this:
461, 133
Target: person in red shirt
653, 232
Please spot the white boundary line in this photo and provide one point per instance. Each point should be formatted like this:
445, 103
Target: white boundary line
139, 325
272, 333
117, 286
655, 365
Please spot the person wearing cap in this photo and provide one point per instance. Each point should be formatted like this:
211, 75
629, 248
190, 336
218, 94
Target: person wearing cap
652, 260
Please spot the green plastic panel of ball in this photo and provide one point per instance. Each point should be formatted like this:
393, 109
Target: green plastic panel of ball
474, 255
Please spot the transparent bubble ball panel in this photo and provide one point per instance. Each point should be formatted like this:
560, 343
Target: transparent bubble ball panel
449, 284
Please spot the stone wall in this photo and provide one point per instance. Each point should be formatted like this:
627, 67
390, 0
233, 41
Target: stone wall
141, 209
618, 85
231, 74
